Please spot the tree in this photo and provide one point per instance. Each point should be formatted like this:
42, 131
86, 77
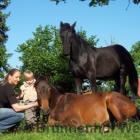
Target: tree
98, 2
135, 52
43, 55
3, 17
3, 38
92, 40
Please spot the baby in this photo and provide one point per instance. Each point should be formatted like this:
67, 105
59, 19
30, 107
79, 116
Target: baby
29, 94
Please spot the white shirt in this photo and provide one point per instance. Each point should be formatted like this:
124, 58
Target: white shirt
29, 91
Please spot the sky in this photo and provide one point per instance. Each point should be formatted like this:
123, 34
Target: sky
114, 22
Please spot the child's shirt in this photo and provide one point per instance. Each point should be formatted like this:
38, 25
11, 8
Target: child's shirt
29, 91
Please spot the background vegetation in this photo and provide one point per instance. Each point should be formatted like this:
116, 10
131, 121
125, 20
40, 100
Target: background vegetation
4, 56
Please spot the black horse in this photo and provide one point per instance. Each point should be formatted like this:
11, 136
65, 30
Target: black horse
112, 62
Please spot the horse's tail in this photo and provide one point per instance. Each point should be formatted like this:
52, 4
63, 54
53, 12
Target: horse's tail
127, 60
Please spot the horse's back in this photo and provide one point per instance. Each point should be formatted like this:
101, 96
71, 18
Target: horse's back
109, 60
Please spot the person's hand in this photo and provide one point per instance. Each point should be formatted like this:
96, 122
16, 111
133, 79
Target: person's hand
35, 103
18, 97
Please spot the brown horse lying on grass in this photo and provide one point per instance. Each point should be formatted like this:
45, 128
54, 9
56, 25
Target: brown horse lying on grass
78, 110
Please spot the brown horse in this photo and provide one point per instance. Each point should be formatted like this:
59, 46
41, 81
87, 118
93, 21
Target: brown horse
76, 110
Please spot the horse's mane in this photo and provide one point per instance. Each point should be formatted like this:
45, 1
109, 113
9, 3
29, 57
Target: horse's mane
79, 38
39, 78
85, 42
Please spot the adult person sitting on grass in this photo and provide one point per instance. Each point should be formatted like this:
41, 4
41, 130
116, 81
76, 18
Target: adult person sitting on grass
10, 110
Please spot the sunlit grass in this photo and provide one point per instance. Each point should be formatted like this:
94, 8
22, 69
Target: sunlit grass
127, 131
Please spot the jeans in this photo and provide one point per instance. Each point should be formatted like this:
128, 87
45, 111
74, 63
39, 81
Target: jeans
9, 118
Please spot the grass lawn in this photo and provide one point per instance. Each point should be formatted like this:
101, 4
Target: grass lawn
129, 131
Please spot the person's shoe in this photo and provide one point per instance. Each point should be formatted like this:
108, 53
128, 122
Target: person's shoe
28, 127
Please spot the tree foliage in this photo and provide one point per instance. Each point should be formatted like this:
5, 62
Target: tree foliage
3, 38
135, 52
98, 2
43, 54
92, 40
3, 17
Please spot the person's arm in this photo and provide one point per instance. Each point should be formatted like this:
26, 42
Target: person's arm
14, 102
20, 96
21, 92
19, 108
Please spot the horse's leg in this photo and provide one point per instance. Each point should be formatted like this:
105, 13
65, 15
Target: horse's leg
78, 83
115, 111
73, 121
122, 80
117, 83
120, 84
69, 117
93, 84
52, 122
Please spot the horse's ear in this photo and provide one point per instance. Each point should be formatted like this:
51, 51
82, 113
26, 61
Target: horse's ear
61, 24
42, 77
73, 25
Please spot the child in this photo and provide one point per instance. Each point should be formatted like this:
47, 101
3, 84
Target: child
29, 94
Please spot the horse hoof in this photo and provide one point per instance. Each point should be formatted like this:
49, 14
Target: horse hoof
105, 129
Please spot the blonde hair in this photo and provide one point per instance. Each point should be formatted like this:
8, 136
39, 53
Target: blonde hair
28, 74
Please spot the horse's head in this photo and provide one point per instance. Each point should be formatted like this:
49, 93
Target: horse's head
43, 93
67, 32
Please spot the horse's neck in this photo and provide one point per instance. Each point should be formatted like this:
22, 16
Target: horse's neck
53, 97
75, 48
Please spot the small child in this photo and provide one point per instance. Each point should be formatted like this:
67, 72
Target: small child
29, 94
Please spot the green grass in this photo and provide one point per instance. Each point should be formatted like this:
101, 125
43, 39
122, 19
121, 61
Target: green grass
129, 131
